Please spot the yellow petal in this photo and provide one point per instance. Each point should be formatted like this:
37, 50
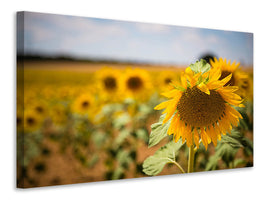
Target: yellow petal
195, 79
188, 136
226, 79
235, 112
211, 132
170, 110
196, 138
183, 80
172, 93
215, 74
189, 72
204, 138
203, 88
162, 105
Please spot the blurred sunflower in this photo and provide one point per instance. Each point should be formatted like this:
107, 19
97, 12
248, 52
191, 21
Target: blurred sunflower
84, 105
201, 108
19, 119
136, 83
65, 92
58, 114
164, 79
108, 83
40, 108
246, 88
239, 77
32, 121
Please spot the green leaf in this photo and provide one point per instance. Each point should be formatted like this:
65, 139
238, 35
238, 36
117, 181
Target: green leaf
166, 154
200, 66
158, 131
225, 150
124, 133
98, 138
212, 162
142, 134
118, 173
239, 162
123, 157
234, 140
121, 120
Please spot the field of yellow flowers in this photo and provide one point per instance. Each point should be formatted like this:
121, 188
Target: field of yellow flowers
79, 122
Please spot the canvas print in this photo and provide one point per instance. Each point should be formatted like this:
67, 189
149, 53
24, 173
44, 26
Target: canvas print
101, 99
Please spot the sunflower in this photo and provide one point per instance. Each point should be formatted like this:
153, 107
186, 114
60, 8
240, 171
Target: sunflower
200, 109
246, 88
108, 83
58, 114
32, 121
19, 119
136, 83
40, 107
84, 105
164, 79
239, 77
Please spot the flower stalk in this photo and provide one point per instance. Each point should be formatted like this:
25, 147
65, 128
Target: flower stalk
191, 159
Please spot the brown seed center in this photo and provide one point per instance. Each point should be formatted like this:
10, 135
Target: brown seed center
39, 109
167, 80
30, 121
199, 109
134, 83
110, 83
85, 104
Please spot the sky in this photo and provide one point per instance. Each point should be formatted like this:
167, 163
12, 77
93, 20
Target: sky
83, 37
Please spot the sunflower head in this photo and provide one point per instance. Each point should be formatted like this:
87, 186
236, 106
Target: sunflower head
136, 83
165, 78
226, 68
200, 109
58, 114
108, 83
239, 77
19, 119
83, 104
32, 121
40, 107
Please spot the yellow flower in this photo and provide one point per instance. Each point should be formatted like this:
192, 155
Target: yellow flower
239, 77
136, 83
32, 121
40, 107
108, 83
246, 88
84, 105
58, 114
201, 107
164, 78
19, 119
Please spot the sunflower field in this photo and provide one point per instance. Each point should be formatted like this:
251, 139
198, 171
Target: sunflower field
104, 122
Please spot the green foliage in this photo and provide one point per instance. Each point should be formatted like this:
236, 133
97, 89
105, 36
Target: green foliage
166, 154
28, 147
158, 131
200, 66
227, 149
121, 120
142, 134
124, 133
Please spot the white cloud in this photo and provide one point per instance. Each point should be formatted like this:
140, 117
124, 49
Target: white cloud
60, 27
152, 28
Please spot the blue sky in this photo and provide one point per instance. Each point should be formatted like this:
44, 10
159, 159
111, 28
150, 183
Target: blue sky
111, 39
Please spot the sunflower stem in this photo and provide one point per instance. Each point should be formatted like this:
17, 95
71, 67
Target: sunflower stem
179, 166
191, 159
